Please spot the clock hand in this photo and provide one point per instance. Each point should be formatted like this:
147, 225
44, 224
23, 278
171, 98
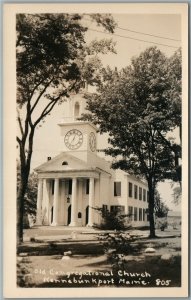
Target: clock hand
73, 138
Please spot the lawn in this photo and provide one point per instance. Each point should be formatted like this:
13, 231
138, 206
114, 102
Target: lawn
46, 263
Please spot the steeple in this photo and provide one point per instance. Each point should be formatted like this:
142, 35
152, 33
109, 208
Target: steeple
77, 137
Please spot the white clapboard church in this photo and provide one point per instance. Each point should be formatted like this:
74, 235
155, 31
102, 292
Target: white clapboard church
77, 180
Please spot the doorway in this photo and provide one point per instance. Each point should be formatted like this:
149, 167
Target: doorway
87, 214
69, 214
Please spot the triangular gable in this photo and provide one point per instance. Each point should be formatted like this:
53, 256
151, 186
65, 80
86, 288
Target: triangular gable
64, 162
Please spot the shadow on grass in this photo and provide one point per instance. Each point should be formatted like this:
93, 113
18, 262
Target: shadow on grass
51, 248
152, 270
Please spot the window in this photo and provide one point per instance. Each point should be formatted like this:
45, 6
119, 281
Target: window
104, 210
117, 188
130, 212
76, 109
140, 214
140, 193
143, 214
70, 187
104, 206
135, 213
65, 163
144, 195
87, 186
135, 191
130, 189
119, 208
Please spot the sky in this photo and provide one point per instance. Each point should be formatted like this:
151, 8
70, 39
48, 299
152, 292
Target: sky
134, 33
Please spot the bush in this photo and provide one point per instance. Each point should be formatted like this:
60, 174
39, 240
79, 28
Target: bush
118, 245
113, 220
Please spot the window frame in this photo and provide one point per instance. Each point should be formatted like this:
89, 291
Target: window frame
140, 193
117, 193
135, 191
130, 188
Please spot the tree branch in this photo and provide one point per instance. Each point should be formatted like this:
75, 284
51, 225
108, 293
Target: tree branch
20, 123
40, 95
18, 140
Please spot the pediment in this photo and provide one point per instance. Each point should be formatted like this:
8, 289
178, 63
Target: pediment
63, 162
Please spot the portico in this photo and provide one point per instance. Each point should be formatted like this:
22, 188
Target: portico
67, 199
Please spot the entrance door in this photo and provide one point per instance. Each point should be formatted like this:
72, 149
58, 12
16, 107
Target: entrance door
69, 214
87, 214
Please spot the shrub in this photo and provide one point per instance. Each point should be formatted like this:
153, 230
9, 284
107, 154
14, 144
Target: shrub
116, 246
113, 220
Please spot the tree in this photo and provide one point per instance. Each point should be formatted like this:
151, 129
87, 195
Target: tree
177, 194
160, 208
51, 52
134, 106
30, 197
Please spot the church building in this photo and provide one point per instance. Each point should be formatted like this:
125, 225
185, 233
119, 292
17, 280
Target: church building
73, 183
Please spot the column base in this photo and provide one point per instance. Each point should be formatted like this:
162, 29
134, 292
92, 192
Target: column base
54, 224
74, 224
90, 225
38, 222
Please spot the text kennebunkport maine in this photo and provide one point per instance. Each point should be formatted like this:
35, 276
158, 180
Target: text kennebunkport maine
97, 279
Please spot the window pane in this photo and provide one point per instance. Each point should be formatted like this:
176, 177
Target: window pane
144, 195
77, 109
135, 213
130, 189
117, 188
140, 193
135, 191
140, 214
130, 212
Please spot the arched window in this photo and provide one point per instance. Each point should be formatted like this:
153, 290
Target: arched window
65, 163
76, 110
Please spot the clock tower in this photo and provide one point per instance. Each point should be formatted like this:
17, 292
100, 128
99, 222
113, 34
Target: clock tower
78, 137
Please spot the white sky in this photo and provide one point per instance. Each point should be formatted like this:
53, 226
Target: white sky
47, 138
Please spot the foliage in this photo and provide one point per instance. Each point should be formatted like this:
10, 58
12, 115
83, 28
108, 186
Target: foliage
118, 245
31, 192
161, 209
112, 220
134, 106
177, 193
52, 60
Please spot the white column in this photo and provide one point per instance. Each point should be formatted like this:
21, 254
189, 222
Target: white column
91, 202
74, 203
55, 202
45, 202
39, 202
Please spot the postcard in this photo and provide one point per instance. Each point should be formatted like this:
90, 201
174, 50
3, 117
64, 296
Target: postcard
95, 150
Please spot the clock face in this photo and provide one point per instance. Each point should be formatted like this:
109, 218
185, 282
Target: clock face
92, 141
73, 139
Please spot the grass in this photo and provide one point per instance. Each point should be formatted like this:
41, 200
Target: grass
34, 269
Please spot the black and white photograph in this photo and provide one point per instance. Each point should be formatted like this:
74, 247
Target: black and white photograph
96, 150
